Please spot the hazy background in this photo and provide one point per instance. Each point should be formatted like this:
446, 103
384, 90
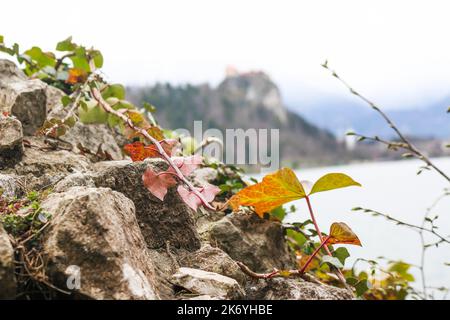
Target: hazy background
394, 51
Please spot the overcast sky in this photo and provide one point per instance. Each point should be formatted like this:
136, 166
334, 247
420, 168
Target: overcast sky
397, 52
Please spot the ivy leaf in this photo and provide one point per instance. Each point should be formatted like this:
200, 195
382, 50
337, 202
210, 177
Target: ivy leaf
76, 75
158, 183
362, 287
340, 233
114, 90
342, 254
208, 192
333, 181
66, 45
1, 39
274, 190
42, 59
187, 164
138, 151
332, 260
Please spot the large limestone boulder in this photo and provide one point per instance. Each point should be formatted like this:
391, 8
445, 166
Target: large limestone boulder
207, 283
169, 221
23, 98
7, 276
94, 230
293, 289
256, 242
11, 141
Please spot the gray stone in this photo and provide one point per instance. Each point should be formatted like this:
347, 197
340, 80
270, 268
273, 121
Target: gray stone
207, 283
94, 137
95, 231
212, 259
77, 179
165, 221
43, 167
256, 242
203, 175
11, 186
25, 99
11, 141
294, 289
7, 276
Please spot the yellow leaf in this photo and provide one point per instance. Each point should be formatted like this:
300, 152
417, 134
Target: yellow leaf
340, 233
274, 190
333, 181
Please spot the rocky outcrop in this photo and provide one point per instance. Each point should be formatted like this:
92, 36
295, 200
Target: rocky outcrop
293, 289
23, 98
7, 276
95, 230
207, 283
11, 141
256, 242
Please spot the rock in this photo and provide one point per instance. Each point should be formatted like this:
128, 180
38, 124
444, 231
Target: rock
165, 221
11, 141
212, 259
95, 230
76, 179
94, 137
7, 276
54, 96
25, 99
203, 175
201, 297
207, 283
11, 186
43, 168
294, 289
256, 242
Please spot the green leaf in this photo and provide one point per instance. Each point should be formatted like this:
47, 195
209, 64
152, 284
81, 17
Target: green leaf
115, 91
332, 261
342, 254
362, 286
98, 58
66, 45
66, 100
42, 59
333, 181
2, 39
149, 107
278, 213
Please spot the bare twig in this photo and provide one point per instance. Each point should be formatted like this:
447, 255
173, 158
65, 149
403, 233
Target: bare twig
408, 145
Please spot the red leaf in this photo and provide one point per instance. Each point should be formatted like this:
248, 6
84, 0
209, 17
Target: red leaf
158, 183
188, 164
138, 151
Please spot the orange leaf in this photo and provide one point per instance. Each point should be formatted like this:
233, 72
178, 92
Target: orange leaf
76, 75
274, 190
138, 151
340, 233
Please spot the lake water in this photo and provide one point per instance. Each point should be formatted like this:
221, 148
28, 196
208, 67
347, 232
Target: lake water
393, 188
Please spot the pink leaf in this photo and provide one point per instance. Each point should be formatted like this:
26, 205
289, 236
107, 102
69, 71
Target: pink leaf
158, 183
189, 198
209, 192
187, 164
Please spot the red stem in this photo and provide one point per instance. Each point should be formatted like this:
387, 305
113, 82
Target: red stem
302, 270
313, 218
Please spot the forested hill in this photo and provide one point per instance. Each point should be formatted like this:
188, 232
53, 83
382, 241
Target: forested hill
242, 100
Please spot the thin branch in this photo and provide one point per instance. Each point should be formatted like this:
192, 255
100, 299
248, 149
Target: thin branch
391, 124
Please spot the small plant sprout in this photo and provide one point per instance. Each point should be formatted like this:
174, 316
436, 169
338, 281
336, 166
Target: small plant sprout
340, 233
